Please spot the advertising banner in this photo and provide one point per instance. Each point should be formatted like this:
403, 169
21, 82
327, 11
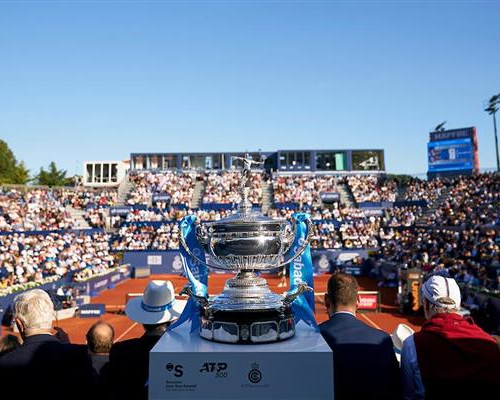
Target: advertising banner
369, 300
91, 310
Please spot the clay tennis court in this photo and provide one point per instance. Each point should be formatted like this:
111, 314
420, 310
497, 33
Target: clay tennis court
114, 299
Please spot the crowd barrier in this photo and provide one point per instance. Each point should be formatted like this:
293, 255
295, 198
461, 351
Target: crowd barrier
91, 286
392, 204
89, 231
324, 261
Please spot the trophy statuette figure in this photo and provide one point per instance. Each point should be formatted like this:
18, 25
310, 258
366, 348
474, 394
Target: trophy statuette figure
247, 311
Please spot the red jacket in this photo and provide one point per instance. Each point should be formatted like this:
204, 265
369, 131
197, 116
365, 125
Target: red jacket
457, 359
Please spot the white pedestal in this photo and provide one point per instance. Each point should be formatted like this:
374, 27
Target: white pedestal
186, 367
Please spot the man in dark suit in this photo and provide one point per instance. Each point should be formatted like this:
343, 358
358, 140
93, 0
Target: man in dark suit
364, 362
128, 370
45, 366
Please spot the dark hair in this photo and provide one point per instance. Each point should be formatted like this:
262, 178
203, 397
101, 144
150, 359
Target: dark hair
342, 290
9, 343
98, 340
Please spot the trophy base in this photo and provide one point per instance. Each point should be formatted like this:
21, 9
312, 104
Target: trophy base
252, 326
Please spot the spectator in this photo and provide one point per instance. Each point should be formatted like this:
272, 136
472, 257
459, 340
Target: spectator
45, 366
129, 360
451, 357
9, 343
100, 338
365, 365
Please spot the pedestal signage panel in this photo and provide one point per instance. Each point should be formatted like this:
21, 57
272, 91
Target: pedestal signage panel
187, 367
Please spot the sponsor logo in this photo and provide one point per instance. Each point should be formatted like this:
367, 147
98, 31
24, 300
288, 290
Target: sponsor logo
255, 376
178, 369
97, 285
177, 263
415, 291
219, 369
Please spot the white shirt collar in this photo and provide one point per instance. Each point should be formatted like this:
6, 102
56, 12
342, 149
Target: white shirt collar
343, 312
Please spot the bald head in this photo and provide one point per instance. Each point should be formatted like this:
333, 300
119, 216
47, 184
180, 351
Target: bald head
100, 337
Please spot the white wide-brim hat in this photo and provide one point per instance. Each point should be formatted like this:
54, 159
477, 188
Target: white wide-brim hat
156, 306
400, 334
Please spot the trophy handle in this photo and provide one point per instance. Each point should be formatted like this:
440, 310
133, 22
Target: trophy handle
188, 250
302, 246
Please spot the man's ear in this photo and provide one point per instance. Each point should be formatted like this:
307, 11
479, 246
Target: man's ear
327, 302
358, 301
20, 326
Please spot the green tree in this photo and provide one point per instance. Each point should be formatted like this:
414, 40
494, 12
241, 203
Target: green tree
52, 177
10, 170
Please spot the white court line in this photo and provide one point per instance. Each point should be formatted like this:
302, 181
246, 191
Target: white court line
127, 331
370, 321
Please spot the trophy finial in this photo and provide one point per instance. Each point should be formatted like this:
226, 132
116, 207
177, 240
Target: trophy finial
245, 205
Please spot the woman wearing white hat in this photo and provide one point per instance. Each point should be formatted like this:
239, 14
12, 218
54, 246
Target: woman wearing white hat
129, 360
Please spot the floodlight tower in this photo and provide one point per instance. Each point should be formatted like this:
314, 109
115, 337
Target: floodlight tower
491, 109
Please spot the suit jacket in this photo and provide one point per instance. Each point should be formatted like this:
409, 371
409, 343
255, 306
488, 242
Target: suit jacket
45, 368
128, 368
364, 362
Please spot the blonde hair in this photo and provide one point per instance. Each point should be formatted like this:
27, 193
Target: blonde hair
35, 309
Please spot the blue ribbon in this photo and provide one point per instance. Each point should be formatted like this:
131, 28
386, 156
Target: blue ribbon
165, 307
301, 270
196, 273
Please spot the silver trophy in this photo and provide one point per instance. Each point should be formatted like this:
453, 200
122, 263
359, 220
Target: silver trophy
247, 241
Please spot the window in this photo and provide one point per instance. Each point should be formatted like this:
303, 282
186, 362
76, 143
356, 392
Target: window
97, 175
331, 161
114, 172
105, 173
89, 173
368, 160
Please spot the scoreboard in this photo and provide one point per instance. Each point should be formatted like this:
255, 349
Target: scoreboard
452, 152
450, 155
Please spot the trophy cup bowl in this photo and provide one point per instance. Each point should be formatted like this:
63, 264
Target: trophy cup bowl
247, 311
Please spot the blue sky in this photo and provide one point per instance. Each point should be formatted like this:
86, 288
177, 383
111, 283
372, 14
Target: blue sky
91, 80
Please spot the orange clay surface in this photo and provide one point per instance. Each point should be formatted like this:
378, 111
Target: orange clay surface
114, 299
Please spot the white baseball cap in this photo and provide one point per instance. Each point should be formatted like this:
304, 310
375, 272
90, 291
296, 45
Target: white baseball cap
437, 287
156, 306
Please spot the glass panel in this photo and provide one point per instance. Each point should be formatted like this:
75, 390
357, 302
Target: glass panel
97, 174
197, 161
105, 173
208, 162
340, 164
367, 160
114, 172
89, 173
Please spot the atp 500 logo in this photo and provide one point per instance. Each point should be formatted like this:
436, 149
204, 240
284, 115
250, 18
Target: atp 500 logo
219, 369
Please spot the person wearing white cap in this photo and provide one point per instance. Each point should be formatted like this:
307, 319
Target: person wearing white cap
129, 360
451, 357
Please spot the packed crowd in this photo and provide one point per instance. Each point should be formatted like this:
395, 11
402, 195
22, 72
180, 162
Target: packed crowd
33, 210
143, 237
179, 186
471, 256
472, 201
33, 258
372, 188
302, 189
224, 188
